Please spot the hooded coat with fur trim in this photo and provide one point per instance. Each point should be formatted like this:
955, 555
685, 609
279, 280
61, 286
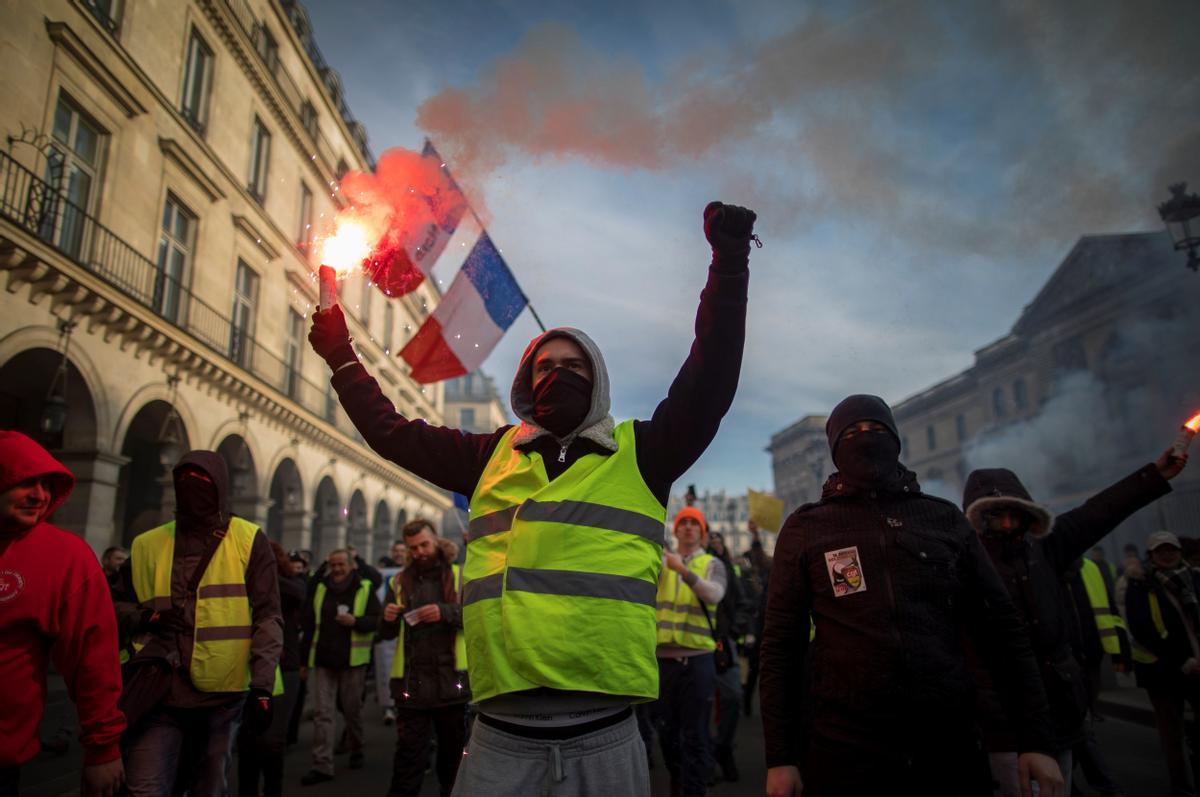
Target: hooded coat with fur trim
1033, 567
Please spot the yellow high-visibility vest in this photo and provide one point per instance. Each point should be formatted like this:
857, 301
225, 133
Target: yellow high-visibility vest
560, 579
681, 620
1140, 654
360, 641
1107, 621
460, 644
223, 626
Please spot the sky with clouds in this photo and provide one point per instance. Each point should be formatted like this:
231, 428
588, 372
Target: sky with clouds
919, 169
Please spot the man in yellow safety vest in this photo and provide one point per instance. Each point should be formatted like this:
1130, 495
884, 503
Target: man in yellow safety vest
338, 624
207, 589
422, 612
565, 540
691, 585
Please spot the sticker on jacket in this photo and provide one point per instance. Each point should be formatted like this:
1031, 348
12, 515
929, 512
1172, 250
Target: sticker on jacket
845, 572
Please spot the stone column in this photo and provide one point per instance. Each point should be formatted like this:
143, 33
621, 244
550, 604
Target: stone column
296, 534
89, 510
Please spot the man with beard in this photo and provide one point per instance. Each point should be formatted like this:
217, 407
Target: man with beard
565, 542
423, 614
892, 579
1032, 551
206, 587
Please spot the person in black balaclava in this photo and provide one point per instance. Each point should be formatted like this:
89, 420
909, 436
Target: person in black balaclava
592, 495
892, 579
187, 734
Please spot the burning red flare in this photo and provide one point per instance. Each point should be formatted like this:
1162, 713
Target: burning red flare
1194, 424
349, 246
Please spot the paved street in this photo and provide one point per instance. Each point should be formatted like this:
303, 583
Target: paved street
1131, 748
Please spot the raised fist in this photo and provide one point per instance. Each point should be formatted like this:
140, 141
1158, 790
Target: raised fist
728, 228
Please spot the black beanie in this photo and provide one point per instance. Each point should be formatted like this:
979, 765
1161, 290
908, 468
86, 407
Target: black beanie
853, 409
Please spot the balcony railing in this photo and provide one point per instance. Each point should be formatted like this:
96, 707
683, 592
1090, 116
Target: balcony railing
42, 210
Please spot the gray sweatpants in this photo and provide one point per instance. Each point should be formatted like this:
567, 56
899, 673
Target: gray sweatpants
608, 761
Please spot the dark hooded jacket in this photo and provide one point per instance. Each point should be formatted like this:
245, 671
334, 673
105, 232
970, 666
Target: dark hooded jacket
173, 633
1033, 568
890, 676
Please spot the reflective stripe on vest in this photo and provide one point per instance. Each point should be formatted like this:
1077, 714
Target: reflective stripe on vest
560, 578
681, 620
360, 641
460, 644
223, 626
1140, 654
1107, 621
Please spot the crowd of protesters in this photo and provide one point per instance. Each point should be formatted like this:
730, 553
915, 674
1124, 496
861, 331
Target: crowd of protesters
904, 644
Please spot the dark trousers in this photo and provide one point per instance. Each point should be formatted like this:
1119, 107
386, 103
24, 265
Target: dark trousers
414, 732
729, 705
1091, 762
10, 779
260, 754
1168, 698
944, 766
196, 743
685, 701
751, 677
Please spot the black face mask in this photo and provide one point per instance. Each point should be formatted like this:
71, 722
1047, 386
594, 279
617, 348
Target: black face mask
197, 507
561, 402
869, 458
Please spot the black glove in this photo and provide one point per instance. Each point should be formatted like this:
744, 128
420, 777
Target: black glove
258, 711
728, 229
330, 338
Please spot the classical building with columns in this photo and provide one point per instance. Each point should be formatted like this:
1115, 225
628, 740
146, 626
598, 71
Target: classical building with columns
164, 171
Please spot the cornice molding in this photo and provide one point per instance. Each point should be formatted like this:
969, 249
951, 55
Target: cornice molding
177, 154
69, 42
243, 225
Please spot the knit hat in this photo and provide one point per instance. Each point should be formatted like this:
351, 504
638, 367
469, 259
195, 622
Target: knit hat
851, 410
696, 515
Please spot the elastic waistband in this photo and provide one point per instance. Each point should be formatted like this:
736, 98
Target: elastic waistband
556, 733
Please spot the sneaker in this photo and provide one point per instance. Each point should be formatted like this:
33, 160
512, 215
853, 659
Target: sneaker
356, 760
313, 777
389, 716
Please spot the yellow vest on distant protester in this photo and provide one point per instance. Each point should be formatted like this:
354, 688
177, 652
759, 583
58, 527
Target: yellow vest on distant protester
360, 641
224, 626
681, 619
1107, 621
560, 579
460, 644
1140, 654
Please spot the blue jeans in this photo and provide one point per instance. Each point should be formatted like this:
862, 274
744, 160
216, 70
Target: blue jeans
685, 702
185, 747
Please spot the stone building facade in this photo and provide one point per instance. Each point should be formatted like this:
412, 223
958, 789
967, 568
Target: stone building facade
163, 177
800, 461
472, 403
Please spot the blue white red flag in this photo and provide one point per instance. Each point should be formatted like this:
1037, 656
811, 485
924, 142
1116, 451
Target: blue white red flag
483, 301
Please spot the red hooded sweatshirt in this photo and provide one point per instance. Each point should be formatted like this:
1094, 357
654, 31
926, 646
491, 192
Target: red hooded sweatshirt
54, 602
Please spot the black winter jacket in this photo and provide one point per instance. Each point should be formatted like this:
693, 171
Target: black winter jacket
1173, 650
1034, 571
888, 653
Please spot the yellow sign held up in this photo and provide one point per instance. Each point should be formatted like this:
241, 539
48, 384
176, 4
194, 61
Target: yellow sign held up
766, 510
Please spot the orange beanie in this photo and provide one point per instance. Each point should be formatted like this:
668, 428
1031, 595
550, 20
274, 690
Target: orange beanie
695, 514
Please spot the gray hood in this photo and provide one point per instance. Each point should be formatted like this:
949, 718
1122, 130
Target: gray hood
597, 426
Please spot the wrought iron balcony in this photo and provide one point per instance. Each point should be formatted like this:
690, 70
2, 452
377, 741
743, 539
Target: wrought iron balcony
42, 210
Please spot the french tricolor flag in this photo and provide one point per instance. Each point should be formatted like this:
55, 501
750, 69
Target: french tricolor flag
483, 301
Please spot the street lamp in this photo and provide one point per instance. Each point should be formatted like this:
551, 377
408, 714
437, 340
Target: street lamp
169, 440
1181, 213
54, 410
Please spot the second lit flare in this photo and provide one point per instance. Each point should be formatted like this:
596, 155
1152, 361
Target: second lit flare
1186, 433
